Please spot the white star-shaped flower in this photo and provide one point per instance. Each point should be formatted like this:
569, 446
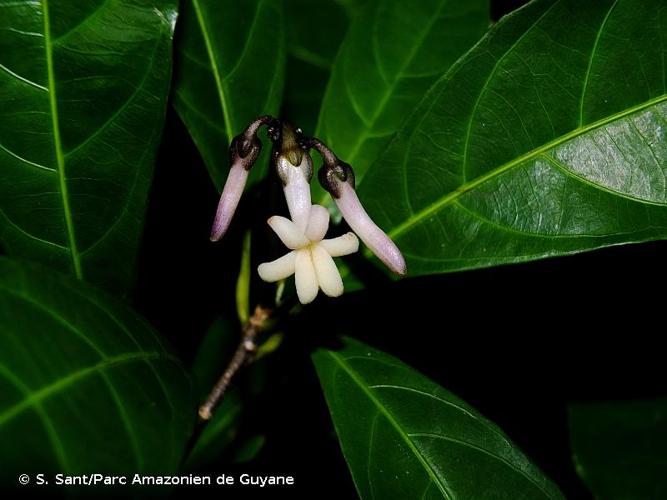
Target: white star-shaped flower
311, 257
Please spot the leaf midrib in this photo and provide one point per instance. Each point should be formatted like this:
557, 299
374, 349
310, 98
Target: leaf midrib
60, 157
214, 67
532, 154
36, 397
488, 453
381, 408
127, 422
591, 59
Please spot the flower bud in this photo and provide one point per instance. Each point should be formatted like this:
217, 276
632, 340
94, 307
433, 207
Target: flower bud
243, 153
337, 177
375, 238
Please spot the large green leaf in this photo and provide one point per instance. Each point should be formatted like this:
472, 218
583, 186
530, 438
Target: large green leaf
315, 31
404, 436
391, 55
547, 138
230, 69
83, 88
85, 384
620, 448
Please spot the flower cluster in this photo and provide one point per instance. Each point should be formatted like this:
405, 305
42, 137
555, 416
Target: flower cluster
310, 258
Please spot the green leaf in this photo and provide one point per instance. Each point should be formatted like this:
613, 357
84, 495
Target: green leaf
392, 54
83, 88
403, 436
547, 138
230, 69
620, 448
315, 31
85, 384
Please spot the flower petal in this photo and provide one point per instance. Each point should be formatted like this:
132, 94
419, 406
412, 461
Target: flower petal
374, 238
305, 277
229, 200
343, 245
327, 273
318, 223
296, 187
288, 232
278, 269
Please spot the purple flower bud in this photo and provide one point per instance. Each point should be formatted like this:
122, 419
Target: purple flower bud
229, 200
337, 178
243, 152
375, 238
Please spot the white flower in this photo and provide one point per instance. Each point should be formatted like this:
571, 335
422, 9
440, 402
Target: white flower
310, 259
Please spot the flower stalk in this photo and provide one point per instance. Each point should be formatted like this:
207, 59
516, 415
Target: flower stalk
244, 354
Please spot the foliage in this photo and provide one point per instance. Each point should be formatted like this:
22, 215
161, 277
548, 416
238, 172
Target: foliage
474, 144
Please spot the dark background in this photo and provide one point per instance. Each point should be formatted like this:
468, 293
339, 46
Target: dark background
517, 342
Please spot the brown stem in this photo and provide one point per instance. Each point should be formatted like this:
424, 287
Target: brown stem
244, 353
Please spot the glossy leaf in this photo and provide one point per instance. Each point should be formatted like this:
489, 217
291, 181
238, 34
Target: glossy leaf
403, 436
230, 70
83, 89
548, 138
392, 54
315, 31
85, 384
620, 448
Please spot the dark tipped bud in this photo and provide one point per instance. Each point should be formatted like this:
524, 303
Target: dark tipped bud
243, 153
334, 171
246, 147
331, 177
337, 177
245, 150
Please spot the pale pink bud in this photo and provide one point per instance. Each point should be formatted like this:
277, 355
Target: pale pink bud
337, 178
243, 153
375, 238
229, 200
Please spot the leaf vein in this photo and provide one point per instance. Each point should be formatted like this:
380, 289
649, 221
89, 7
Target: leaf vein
439, 204
60, 157
216, 70
486, 452
387, 415
590, 61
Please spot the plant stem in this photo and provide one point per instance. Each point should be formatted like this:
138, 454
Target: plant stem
244, 354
